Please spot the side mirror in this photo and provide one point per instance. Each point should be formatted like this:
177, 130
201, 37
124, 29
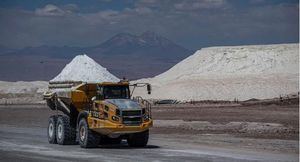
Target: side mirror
99, 95
149, 88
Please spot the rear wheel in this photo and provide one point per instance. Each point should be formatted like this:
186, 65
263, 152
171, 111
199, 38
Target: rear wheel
138, 139
87, 138
65, 133
51, 132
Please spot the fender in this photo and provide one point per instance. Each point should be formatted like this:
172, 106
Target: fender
83, 114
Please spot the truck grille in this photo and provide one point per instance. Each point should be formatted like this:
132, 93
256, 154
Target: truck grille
132, 117
132, 120
132, 113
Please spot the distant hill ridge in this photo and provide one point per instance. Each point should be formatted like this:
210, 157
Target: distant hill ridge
147, 44
124, 54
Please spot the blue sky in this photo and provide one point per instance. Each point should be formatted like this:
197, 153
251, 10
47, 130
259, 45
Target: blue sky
191, 23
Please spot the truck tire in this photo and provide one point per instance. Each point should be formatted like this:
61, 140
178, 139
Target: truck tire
65, 133
51, 132
87, 138
138, 139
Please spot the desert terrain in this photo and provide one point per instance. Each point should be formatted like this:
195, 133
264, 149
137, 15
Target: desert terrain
232, 104
248, 131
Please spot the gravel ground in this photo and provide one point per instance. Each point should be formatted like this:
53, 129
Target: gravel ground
258, 121
181, 132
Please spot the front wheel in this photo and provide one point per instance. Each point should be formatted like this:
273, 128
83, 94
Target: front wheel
138, 139
87, 138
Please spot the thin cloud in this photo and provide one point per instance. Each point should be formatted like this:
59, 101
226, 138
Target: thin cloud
53, 10
192, 25
50, 10
204, 4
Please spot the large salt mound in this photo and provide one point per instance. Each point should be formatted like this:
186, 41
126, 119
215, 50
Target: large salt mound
228, 73
22, 87
83, 68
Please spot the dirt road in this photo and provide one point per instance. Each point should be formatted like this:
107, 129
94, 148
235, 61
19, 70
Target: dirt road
23, 138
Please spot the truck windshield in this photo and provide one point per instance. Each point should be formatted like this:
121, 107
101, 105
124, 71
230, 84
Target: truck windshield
116, 92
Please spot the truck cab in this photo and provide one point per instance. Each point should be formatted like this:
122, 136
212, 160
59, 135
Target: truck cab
115, 114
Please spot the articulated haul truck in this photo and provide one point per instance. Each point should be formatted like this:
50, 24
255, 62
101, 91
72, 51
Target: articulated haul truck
98, 113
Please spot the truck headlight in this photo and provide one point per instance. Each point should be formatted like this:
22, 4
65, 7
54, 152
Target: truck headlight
146, 118
114, 118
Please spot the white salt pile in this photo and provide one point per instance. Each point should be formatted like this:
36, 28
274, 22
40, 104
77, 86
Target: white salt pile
22, 87
83, 68
229, 73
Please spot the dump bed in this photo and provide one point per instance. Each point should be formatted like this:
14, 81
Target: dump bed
67, 95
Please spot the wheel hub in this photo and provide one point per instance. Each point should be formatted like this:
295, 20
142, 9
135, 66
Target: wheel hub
59, 131
82, 133
50, 129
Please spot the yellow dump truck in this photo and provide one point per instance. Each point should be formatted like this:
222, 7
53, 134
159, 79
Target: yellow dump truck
97, 113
